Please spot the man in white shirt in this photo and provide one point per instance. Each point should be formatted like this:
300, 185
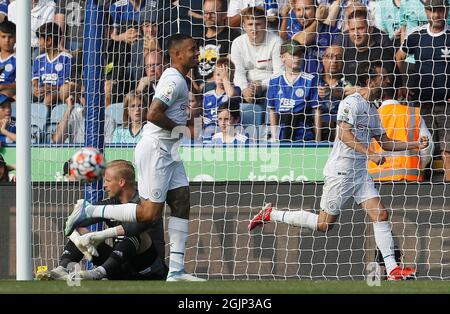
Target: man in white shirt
346, 173
235, 7
42, 11
256, 55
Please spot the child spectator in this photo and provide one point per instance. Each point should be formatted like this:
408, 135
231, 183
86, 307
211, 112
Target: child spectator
52, 69
7, 59
229, 117
224, 91
7, 123
4, 171
292, 98
71, 126
134, 118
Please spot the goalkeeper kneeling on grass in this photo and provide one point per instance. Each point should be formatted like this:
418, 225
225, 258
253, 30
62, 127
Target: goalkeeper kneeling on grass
138, 251
346, 173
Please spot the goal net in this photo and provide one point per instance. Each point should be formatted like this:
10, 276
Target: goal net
274, 150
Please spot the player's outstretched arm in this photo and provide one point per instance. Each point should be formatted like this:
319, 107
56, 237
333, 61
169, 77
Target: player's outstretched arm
393, 145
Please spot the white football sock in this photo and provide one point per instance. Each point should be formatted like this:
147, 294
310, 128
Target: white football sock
299, 218
178, 234
122, 212
385, 242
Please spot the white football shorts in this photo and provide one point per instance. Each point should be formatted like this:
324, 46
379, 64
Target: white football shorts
338, 189
157, 170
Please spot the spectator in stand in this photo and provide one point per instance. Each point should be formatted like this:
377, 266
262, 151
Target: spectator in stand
236, 6
71, 126
7, 59
134, 118
337, 11
4, 171
124, 32
256, 55
215, 44
363, 43
42, 12
194, 113
401, 123
149, 41
387, 19
430, 45
4, 10
70, 15
190, 18
223, 93
314, 33
154, 66
52, 69
331, 89
412, 15
229, 117
292, 99
289, 24
7, 123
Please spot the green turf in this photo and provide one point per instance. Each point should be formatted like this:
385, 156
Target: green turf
226, 286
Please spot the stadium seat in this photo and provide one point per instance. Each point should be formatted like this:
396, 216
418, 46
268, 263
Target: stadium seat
57, 113
115, 111
13, 109
252, 114
39, 115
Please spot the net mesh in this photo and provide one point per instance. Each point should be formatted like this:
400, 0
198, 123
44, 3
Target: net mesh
285, 134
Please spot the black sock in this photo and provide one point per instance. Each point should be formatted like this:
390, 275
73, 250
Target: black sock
122, 252
71, 254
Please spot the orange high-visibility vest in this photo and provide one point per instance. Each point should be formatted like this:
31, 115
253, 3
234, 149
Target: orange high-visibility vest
401, 123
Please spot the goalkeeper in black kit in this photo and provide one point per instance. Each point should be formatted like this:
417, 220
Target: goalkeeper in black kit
138, 249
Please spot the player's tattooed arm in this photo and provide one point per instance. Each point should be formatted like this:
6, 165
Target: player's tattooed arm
156, 115
346, 135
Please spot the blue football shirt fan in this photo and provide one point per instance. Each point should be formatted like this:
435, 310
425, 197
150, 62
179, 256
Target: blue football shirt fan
55, 72
211, 103
8, 69
5, 113
4, 7
326, 36
294, 103
123, 11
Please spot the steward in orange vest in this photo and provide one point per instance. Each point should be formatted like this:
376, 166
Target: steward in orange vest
402, 123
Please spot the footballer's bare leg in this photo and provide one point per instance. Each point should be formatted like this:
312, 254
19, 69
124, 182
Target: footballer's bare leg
178, 228
299, 218
383, 237
148, 211
326, 222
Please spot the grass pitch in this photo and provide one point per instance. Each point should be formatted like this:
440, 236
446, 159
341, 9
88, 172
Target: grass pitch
251, 287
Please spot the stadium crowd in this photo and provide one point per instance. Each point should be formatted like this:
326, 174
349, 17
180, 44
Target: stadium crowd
282, 66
